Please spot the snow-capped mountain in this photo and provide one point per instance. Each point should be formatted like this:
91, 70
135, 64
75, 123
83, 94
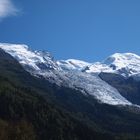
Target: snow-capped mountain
68, 73
125, 64
35, 61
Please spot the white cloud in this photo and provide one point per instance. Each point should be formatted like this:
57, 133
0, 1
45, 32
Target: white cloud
7, 8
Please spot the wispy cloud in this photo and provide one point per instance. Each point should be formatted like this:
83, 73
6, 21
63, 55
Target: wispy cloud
7, 8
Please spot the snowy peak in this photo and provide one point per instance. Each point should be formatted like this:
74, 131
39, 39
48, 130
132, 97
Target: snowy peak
14, 47
72, 64
126, 64
122, 59
32, 60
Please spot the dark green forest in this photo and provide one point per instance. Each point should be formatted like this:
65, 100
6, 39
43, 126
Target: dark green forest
31, 108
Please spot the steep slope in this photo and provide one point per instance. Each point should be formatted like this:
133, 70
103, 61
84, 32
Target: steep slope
35, 59
128, 88
122, 71
24, 114
92, 85
71, 116
40, 64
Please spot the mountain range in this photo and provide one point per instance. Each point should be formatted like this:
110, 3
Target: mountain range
102, 99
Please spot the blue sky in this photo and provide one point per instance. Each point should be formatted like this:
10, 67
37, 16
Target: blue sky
89, 30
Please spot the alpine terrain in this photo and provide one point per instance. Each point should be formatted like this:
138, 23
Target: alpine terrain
43, 98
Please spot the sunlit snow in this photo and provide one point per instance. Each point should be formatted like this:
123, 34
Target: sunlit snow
72, 73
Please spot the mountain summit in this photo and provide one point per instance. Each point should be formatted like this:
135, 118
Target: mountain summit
36, 61
125, 64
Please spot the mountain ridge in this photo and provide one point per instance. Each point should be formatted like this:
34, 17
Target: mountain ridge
40, 63
97, 120
117, 63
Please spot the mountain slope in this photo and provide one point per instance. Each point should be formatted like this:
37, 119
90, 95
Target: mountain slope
23, 109
35, 59
128, 88
40, 64
75, 116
